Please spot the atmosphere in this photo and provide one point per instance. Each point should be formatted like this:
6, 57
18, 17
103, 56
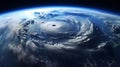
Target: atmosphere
59, 34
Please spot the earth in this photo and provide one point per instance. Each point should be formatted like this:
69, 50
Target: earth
59, 37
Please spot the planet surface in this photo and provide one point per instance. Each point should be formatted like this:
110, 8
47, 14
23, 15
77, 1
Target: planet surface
59, 37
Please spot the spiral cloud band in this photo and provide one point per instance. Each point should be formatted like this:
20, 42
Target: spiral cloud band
66, 30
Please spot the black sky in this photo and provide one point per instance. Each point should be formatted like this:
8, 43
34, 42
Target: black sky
10, 5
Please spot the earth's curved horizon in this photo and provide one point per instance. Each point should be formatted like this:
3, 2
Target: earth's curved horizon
60, 36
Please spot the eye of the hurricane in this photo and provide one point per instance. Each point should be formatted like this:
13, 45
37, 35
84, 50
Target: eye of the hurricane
53, 25
57, 29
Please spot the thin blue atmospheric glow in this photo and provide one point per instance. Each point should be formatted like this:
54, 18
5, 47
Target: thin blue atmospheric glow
58, 7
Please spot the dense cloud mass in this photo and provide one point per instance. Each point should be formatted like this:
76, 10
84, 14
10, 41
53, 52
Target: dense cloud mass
60, 38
